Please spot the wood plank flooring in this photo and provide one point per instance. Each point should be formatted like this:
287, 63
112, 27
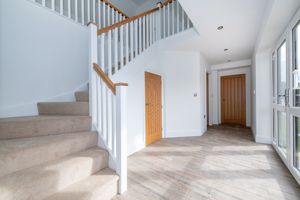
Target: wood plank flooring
223, 164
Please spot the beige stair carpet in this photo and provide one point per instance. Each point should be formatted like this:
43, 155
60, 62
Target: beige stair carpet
17, 154
21, 127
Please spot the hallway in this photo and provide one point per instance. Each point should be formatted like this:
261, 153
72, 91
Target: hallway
223, 164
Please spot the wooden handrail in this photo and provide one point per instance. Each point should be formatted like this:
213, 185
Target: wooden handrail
111, 85
126, 21
130, 19
167, 2
115, 8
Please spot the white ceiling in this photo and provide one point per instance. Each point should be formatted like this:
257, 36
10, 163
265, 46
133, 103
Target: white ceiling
242, 20
142, 2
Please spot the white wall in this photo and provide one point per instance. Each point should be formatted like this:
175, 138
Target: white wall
43, 56
215, 94
133, 74
185, 98
262, 95
183, 74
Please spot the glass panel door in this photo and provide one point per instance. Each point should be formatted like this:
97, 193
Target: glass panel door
296, 95
282, 98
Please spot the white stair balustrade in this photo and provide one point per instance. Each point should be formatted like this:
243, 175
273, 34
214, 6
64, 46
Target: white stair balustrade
84, 11
113, 46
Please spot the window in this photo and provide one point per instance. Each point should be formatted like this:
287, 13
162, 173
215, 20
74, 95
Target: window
281, 74
296, 65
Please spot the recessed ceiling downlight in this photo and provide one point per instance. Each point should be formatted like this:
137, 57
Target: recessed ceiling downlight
226, 49
220, 28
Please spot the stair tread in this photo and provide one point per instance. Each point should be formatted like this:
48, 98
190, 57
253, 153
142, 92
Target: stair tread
41, 181
14, 153
38, 117
100, 186
63, 108
22, 127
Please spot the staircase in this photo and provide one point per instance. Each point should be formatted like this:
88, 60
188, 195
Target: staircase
54, 155
78, 150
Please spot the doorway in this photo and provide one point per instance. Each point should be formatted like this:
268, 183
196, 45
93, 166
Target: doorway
233, 100
153, 106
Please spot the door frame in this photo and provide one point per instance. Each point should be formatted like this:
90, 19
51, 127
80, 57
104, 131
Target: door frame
162, 106
244, 98
291, 111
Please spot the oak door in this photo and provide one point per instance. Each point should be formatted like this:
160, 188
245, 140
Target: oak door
233, 101
153, 107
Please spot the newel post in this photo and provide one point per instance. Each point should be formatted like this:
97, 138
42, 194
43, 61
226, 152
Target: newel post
121, 137
93, 58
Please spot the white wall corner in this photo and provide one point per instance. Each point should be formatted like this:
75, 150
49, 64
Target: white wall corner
263, 139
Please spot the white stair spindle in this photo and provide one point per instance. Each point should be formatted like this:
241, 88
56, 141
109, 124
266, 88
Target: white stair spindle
151, 28
109, 45
122, 46
108, 15
113, 16
44, 3
140, 34
109, 119
126, 45
76, 10
173, 17
94, 10
164, 22
131, 41
144, 33
104, 15
88, 10
136, 37
169, 16
99, 15
114, 126
116, 49
188, 22
61, 7
53, 5
82, 12
177, 12
182, 20
69, 9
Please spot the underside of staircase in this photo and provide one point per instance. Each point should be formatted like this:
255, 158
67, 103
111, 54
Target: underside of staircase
54, 155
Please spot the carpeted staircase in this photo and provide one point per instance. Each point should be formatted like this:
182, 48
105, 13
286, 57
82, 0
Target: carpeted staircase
54, 156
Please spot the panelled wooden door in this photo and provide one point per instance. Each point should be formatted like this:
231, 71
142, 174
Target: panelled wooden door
153, 107
233, 101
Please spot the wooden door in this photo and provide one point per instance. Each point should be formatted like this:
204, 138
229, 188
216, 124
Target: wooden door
233, 101
153, 107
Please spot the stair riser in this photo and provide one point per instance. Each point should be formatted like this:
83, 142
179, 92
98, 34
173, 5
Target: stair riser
82, 96
69, 108
39, 183
33, 128
24, 158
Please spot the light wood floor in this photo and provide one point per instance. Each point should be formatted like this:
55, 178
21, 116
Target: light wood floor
223, 164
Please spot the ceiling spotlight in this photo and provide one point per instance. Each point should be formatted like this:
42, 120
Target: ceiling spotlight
220, 28
228, 60
226, 49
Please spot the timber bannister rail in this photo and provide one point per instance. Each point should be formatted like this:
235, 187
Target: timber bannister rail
112, 86
130, 19
114, 7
